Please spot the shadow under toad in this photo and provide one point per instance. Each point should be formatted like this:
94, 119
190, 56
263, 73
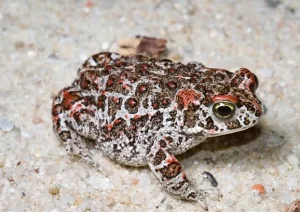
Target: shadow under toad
255, 139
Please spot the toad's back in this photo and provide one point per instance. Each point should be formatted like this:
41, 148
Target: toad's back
128, 87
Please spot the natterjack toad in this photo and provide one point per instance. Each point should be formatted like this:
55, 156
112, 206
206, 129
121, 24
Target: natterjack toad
140, 111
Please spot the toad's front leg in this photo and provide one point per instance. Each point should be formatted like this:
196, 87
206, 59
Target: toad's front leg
170, 174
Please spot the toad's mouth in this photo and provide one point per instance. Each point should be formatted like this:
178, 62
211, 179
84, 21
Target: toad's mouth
214, 133
199, 131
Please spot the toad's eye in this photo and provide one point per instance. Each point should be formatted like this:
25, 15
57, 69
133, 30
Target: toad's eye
224, 110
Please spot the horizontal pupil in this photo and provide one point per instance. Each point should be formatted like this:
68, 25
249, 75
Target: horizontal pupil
224, 111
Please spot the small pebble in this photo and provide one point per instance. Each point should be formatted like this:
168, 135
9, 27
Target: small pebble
78, 201
259, 188
219, 16
169, 207
99, 182
229, 202
31, 54
83, 56
291, 62
37, 120
53, 57
213, 33
105, 45
116, 180
292, 183
26, 134
19, 44
293, 160
6, 125
54, 190
86, 10
89, 4
144, 180
122, 19
125, 199
134, 181
109, 201
83, 174
138, 199
283, 168
229, 188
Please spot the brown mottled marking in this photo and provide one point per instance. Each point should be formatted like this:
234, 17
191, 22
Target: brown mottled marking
171, 170
70, 98
191, 116
101, 102
114, 105
169, 139
88, 80
180, 185
219, 77
246, 121
145, 103
209, 123
233, 124
64, 135
159, 157
162, 143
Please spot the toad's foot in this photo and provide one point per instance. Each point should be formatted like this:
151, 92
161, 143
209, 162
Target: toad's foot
170, 174
208, 191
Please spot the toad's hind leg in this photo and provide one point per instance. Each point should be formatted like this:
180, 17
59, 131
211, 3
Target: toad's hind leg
170, 174
75, 122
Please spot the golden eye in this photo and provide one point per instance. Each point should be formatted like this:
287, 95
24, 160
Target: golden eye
224, 110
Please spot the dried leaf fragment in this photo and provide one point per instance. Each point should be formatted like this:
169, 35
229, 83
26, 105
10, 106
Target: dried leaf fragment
294, 206
148, 46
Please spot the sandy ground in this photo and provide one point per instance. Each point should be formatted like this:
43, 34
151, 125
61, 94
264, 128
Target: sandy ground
42, 43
